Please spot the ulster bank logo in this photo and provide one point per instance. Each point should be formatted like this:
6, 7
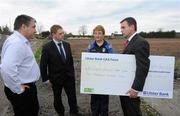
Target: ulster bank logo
156, 94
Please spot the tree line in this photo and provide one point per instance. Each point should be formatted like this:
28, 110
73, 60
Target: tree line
5, 30
83, 31
159, 34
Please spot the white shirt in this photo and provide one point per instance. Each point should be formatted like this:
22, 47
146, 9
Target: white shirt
56, 42
129, 39
18, 65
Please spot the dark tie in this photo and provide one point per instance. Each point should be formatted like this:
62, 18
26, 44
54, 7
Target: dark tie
125, 43
61, 51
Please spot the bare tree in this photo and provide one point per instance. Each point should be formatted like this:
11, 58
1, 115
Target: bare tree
82, 30
39, 28
5, 30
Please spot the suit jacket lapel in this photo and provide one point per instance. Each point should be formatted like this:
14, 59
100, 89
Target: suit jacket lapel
65, 49
130, 44
55, 49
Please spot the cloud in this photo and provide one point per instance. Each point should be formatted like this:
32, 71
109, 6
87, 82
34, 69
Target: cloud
150, 15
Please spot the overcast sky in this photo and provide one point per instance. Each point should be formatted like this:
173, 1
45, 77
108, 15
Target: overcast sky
151, 15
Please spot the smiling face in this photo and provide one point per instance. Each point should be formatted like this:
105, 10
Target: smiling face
30, 30
26, 25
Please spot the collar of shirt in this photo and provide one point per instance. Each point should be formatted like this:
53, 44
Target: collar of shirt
129, 39
104, 43
22, 38
56, 42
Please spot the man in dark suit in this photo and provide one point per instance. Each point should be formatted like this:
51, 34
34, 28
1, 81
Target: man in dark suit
57, 69
138, 46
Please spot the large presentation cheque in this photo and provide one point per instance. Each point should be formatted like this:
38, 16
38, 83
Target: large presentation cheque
113, 74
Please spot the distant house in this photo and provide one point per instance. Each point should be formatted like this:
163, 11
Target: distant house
116, 36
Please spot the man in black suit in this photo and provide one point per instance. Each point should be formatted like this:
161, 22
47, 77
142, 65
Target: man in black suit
57, 69
140, 48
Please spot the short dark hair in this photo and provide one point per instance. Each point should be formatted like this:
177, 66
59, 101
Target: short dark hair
130, 21
54, 28
22, 19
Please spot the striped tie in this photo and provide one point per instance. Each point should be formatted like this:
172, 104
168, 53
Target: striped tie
62, 52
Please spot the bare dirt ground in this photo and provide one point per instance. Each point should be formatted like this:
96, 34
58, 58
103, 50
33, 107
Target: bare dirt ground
166, 47
167, 107
45, 95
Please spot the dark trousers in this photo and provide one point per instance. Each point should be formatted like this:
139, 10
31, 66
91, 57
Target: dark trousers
70, 90
130, 106
99, 105
26, 103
